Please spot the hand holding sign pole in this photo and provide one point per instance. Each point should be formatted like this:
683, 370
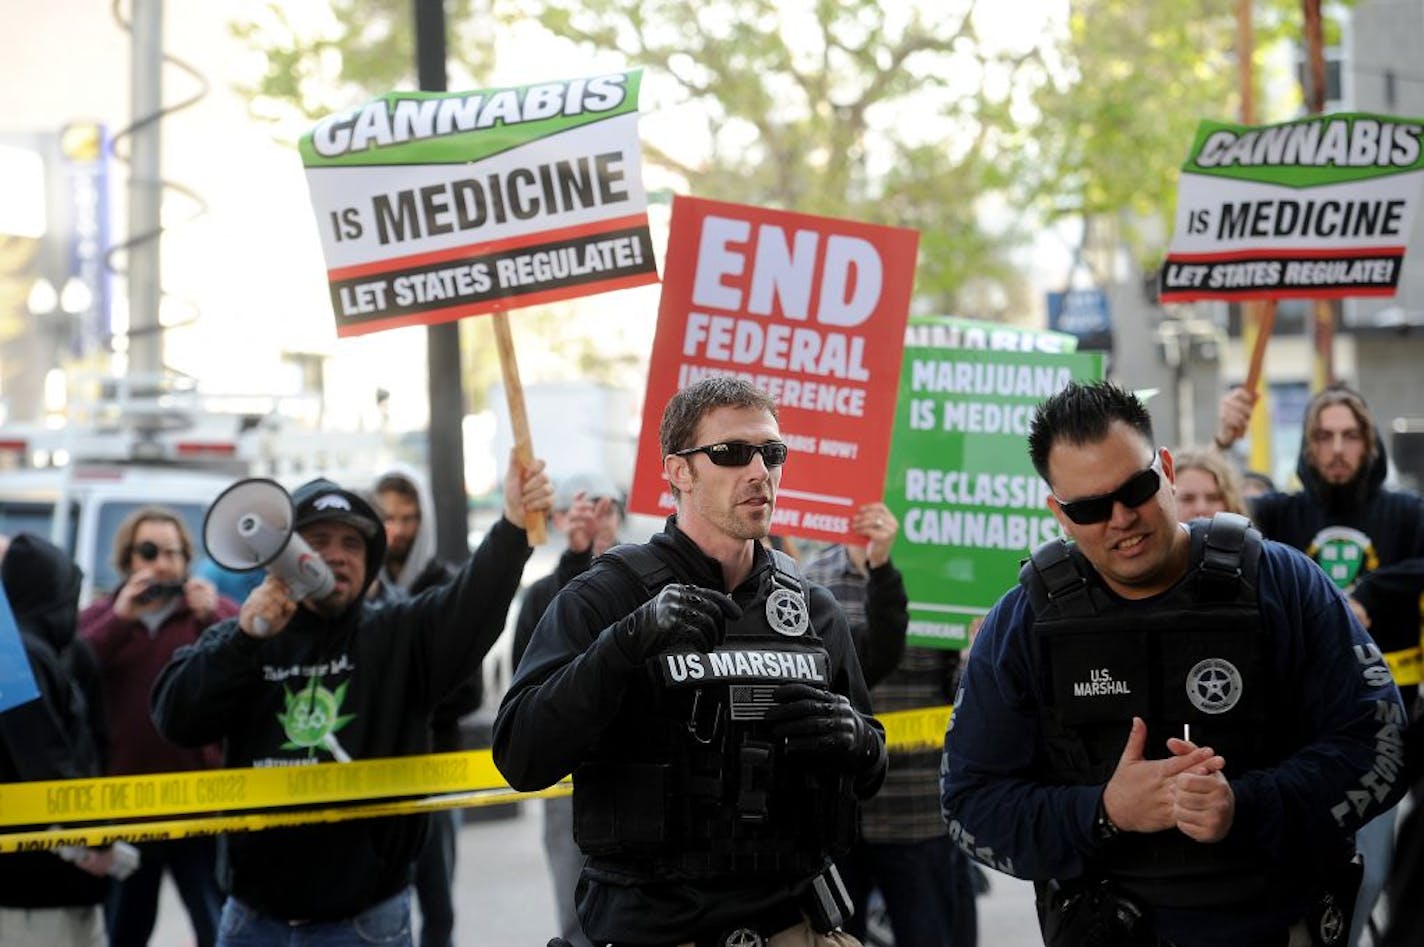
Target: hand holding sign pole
435, 207
1318, 208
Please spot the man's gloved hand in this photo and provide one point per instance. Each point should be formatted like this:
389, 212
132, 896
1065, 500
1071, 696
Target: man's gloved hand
679, 615
821, 724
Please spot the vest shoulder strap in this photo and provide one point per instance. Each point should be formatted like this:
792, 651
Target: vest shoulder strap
639, 561
787, 573
1056, 581
1226, 556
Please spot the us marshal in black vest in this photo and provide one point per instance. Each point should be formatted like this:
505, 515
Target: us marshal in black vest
1173, 731
709, 703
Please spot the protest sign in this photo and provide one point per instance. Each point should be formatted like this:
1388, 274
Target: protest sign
810, 309
17, 681
1321, 207
970, 503
436, 206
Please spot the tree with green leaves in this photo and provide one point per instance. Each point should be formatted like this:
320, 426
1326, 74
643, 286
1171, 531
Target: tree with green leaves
925, 114
1130, 81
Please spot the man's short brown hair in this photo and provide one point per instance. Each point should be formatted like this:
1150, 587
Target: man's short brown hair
686, 409
396, 483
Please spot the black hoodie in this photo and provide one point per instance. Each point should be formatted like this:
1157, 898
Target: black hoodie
1369, 540
358, 686
60, 735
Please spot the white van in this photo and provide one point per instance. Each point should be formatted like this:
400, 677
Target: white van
144, 441
80, 508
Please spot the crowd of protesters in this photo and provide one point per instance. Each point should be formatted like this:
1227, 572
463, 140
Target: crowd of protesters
165, 673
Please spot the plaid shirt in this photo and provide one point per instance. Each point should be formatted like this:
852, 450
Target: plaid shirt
906, 809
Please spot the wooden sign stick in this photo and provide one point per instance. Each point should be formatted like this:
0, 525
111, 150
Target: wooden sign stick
1265, 323
518, 417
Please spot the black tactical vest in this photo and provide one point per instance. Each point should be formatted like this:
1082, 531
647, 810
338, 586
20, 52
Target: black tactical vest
707, 791
1196, 658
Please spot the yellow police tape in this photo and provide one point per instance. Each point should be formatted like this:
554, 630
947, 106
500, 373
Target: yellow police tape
1406, 665
133, 808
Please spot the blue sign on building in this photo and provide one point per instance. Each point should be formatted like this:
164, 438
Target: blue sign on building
1084, 313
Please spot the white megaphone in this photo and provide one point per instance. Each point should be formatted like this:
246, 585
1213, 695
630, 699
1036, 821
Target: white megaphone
250, 526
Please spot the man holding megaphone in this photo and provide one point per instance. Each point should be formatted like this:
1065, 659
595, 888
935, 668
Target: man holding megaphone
310, 672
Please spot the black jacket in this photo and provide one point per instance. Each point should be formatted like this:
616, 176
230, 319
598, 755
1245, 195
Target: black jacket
1390, 577
60, 735
469, 693
575, 693
381, 671
540, 595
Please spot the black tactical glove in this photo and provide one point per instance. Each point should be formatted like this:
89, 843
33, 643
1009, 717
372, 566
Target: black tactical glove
678, 616
823, 725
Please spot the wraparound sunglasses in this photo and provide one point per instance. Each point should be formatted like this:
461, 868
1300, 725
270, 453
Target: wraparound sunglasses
739, 453
1138, 489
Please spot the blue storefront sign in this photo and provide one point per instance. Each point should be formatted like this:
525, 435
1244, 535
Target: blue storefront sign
1083, 313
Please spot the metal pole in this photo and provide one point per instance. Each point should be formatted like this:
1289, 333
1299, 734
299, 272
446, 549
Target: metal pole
145, 190
445, 438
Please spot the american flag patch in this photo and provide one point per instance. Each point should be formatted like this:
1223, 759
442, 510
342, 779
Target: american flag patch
751, 701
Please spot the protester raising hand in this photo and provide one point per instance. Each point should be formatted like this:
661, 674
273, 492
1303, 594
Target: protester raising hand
879, 526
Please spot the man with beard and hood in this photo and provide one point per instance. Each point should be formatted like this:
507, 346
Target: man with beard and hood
411, 567
45, 900
1370, 542
289, 683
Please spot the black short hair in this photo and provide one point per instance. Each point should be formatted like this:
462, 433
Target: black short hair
1081, 414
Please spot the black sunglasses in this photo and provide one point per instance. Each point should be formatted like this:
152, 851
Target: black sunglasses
1138, 489
738, 453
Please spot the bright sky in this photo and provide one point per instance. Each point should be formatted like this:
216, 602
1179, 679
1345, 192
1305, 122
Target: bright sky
252, 263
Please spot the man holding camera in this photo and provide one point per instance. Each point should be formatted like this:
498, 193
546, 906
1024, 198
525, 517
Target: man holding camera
159, 608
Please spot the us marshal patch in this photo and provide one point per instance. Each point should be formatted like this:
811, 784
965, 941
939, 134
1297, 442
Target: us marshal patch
744, 665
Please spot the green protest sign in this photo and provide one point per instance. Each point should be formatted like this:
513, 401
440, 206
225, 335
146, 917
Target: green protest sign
957, 332
970, 504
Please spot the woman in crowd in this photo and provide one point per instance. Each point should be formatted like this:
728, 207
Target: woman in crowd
1206, 484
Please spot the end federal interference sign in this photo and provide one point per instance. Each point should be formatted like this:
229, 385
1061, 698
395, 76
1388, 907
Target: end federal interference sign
435, 206
1317, 208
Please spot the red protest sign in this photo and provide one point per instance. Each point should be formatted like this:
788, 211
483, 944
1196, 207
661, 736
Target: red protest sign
810, 309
